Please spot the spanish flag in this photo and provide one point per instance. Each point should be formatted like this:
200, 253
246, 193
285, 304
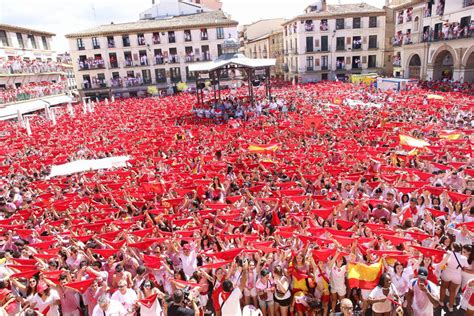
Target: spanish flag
412, 142
450, 135
262, 148
364, 276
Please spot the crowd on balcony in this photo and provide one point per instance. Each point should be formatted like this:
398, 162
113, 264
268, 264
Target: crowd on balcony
397, 39
30, 91
323, 25
19, 65
91, 63
126, 82
449, 31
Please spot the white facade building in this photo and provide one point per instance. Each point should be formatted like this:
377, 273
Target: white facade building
330, 41
124, 59
434, 39
28, 65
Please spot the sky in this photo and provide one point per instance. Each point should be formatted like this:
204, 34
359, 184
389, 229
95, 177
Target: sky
67, 16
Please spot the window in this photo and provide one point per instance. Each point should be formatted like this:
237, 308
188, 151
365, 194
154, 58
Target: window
32, 40
356, 42
3, 38
309, 63
45, 42
175, 74
409, 14
160, 75
143, 58
80, 44
19, 37
323, 25
309, 44
159, 60
101, 80
171, 37
340, 43
372, 61
95, 43
339, 24
204, 36
400, 17
113, 60
356, 62
220, 33
416, 24
465, 21
467, 3
356, 23
219, 50
125, 40
372, 21
110, 42
146, 75
173, 56
187, 36
372, 41
308, 26
206, 55
141, 39
324, 63
128, 59
340, 64
324, 44
156, 38
190, 75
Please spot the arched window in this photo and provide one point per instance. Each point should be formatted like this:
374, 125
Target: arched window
417, 24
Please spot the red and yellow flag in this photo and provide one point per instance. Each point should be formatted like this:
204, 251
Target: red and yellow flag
364, 276
262, 148
412, 142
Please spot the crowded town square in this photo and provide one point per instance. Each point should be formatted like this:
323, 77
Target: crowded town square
329, 199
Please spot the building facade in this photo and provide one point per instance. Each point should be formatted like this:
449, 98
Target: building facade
434, 39
264, 39
335, 41
124, 59
28, 65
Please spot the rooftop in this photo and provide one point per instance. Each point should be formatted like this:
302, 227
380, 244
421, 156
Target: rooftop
14, 28
341, 10
213, 18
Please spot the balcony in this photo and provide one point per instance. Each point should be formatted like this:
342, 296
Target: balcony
159, 60
324, 67
340, 48
428, 38
87, 86
205, 56
190, 58
204, 37
467, 3
309, 50
309, 68
91, 64
173, 59
397, 63
340, 66
113, 65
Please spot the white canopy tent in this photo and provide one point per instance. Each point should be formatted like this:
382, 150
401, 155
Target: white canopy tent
87, 165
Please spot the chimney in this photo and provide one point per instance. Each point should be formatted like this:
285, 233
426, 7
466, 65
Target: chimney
323, 5
152, 2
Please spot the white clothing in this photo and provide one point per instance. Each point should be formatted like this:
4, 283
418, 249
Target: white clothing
189, 263
428, 309
154, 310
50, 300
114, 309
231, 307
338, 280
127, 300
385, 306
402, 282
452, 272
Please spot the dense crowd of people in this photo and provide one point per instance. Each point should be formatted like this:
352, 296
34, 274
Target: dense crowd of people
31, 90
315, 206
19, 65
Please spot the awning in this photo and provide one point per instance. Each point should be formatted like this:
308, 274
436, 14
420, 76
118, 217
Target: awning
11, 111
232, 59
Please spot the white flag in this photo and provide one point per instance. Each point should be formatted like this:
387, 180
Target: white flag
28, 128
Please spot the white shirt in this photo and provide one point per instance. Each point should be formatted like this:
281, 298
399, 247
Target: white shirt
385, 306
50, 300
189, 263
428, 310
127, 300
114, 309
231, 306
